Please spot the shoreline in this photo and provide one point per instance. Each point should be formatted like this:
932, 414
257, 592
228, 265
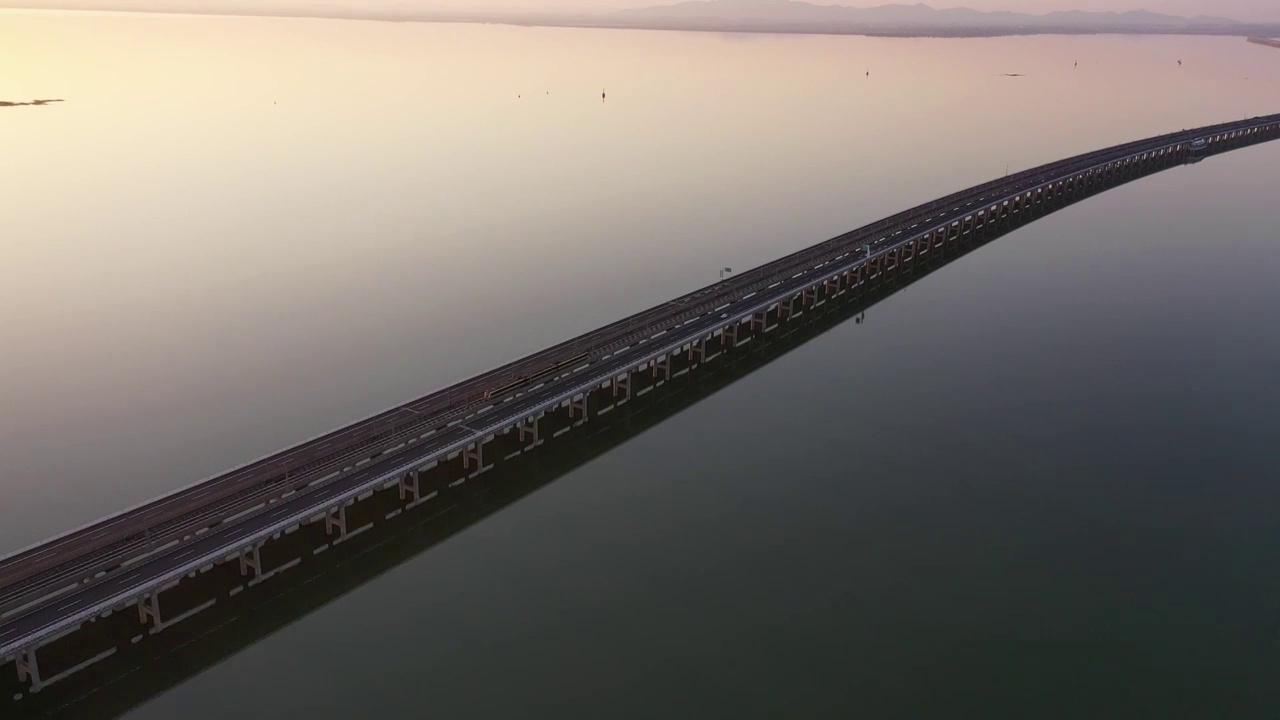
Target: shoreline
1254, 32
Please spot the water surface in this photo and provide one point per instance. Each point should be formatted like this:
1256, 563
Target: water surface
1039, 482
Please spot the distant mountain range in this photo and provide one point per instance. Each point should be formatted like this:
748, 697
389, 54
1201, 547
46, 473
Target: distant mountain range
792, 12
764, 16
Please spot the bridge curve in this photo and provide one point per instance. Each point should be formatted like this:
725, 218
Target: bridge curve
124, 559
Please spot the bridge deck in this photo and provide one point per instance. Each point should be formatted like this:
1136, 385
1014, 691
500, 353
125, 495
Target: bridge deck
52, 586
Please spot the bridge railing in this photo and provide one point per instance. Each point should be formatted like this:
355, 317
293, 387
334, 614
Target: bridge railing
462, 397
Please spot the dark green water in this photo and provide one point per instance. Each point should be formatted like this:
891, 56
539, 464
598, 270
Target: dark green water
1040, 483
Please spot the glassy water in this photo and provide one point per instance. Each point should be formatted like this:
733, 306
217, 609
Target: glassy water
1039, 482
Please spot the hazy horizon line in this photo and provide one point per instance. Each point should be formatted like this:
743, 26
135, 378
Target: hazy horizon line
617, 19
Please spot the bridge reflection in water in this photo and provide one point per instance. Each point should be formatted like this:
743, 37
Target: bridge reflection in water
215, 614
306, 570
225, 554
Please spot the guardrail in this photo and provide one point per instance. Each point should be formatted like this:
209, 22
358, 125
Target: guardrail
725, 303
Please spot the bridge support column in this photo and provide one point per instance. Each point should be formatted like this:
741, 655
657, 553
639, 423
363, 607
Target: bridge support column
809, 297
335, 521
579, 405
622, 383
662, 364
729, 336
529, 427
29, 669
698, 348
410, 487
149, 609
251, 559
757, 320
474, 453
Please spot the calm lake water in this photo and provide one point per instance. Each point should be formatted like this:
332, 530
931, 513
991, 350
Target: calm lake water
1039, 483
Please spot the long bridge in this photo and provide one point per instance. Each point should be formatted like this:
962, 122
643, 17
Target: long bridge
72, 584
248, 612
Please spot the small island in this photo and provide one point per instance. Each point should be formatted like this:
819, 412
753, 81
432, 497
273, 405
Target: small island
6, 103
